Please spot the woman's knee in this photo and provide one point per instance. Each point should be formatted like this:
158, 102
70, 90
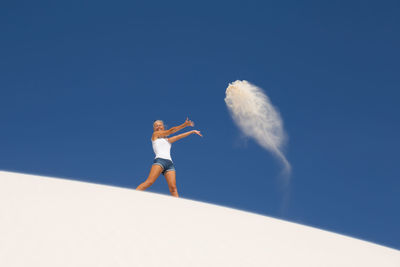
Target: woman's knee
149, 182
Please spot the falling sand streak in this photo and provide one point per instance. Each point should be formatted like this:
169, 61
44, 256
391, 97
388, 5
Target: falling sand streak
253, 112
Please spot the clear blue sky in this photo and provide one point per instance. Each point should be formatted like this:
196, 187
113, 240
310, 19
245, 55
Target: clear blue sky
82, 81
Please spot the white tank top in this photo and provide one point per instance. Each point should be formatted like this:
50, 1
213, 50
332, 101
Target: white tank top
162, 148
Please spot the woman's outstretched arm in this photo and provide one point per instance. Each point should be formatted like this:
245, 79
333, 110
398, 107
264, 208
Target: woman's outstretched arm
173, 129
178, 137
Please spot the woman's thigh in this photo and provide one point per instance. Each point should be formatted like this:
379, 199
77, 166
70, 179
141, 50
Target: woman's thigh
170, 176
155, 171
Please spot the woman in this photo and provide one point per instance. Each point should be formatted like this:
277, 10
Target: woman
163, 162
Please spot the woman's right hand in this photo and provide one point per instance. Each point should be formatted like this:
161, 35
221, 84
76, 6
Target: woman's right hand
189, 122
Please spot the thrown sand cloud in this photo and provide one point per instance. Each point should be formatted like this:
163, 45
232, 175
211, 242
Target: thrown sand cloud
253, 112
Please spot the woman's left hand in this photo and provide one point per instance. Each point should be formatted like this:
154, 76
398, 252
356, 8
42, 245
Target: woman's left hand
197, 132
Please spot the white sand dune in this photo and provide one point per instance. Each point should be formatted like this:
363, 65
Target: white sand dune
49, 222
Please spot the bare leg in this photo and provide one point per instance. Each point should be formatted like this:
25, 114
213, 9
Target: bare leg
170, 176
155, 171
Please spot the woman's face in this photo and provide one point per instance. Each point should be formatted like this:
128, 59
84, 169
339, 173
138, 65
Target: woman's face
158, 126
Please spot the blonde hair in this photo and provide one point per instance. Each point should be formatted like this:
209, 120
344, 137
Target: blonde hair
159, 121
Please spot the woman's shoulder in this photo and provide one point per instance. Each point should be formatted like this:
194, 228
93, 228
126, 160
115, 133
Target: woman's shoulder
155, 138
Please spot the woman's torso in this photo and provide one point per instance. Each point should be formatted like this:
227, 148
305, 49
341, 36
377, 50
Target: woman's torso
162, 148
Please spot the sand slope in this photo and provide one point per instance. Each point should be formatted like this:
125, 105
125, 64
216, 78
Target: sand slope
57, 222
